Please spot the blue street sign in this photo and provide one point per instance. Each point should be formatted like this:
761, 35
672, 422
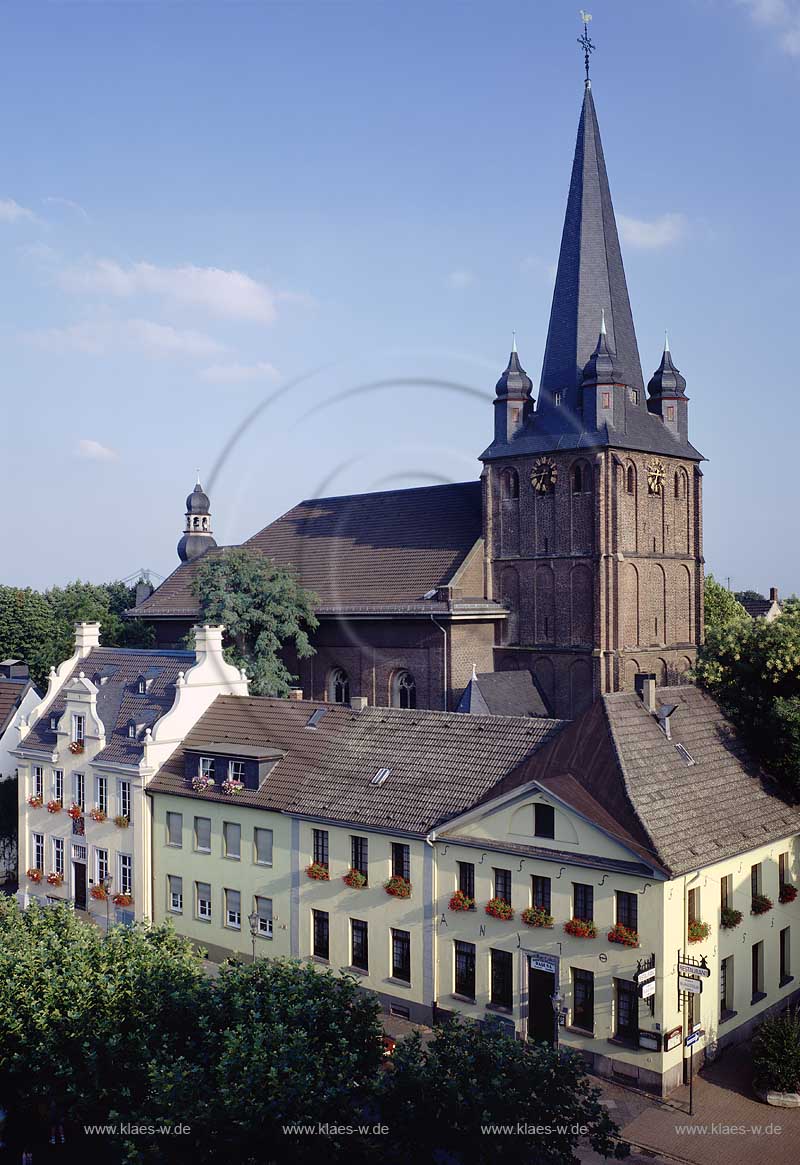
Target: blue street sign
692, 1039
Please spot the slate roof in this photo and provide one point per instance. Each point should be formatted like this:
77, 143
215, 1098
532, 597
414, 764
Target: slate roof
440, 762
684, 815
118, 701
12, 693
503, 693
378, 552
590, 278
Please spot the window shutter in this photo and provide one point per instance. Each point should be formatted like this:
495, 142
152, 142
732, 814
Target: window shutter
263, 845
203, 832
264, 908
175, 884
234, 900
204, 890
233, 839
175, 827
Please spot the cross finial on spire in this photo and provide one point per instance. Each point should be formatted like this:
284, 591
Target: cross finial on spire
586, 43
513, 341
602, 321
666, 341
198, 476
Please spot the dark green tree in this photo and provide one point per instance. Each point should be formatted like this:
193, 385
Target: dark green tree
27, 629
740, 595
721, 606
263, 608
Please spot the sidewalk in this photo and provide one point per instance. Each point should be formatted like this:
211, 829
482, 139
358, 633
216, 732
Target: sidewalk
734, 1128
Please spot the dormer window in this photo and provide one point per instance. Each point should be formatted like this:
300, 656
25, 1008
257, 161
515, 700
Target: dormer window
131, 729
557, 399
207, 767
78, 729
634, 396
141, 686
236, 770
53, 722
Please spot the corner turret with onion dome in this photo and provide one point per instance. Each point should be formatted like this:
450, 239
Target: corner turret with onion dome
667, 395
197, 535
513, 401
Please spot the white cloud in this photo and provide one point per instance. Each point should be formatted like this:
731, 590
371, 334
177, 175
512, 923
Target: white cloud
240, 373
95, 338
93, 451
228, 294
460, 279
654, 233
782, 16
11, 211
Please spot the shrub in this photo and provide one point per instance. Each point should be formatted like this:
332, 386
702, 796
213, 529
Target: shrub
776, 1053
730, 918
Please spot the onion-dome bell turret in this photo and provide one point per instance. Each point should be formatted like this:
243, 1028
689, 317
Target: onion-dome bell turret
601, 367
197, 535
513, 401
666, 380
667, 396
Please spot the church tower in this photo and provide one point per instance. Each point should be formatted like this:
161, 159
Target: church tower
197, 535
592, 500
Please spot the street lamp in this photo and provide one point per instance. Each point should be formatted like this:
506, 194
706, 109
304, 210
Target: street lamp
253, 920
556, 1001
106, 884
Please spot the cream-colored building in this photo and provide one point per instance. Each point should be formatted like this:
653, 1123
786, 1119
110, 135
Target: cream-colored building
640, 814
85, 753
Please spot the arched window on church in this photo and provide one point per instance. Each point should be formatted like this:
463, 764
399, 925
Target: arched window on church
338, 686
577, 479
677, 486
509, 483
631, 480
404, 690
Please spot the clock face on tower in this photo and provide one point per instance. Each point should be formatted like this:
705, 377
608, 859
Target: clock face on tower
544, 475
655, 477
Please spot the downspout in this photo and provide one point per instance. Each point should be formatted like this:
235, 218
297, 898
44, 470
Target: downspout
444, 661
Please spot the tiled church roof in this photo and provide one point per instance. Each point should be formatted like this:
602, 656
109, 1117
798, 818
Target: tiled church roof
360, 551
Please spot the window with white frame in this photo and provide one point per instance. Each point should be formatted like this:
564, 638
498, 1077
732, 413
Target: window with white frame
264, 915
78, 728
58, 855
232, 839
101, 864
79, 789
101, 793
38, 781
175, 889
125, 873
207, 767
58, 785
236, 770
203, 898
233, 909
124, 799
37, 848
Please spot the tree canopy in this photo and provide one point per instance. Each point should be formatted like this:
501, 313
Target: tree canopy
263, 607
752, 668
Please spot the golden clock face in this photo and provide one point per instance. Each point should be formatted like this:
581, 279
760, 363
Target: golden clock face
655, 477
544, 475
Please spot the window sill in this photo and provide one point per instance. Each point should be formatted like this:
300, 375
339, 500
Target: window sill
759, 995
202, 851
629, 1042
357, 971
170, 844
231, 926
398, 982
579, 1031
206, 921
231, 857
727, 1015
268, 937
500, 1008
171, 911
786, 980
264, 865
319, 959
463, 998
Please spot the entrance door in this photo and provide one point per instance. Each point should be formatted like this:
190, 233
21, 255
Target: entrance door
541, 987
79, 882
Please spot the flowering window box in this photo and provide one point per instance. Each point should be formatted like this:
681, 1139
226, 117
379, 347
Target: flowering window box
460, 901
355, 879
318, 872
499, 908
75, 812
122, 822
35, 802
54, 806
34, 874
398, 886
201, 783
537, 916
580, 928
788, 893
76, 747
698, 931
231, 786
99, 893
760, 904
623, 935
97, 814
55, 879
729, 918
122, 900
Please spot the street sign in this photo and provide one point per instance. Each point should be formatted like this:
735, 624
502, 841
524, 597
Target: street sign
693, 986
648, 989
644, 976
693, 969
696, 1027
692, 1039
542, 962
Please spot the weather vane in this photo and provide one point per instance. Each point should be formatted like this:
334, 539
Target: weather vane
585, 42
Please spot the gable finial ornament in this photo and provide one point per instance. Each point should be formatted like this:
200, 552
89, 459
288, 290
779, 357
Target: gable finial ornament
586, 44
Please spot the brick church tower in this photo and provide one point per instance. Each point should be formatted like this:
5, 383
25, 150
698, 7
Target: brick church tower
592, 495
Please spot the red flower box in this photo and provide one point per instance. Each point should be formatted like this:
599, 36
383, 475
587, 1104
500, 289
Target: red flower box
355, 879
54, 806
98, 893
55, 879
35, 802
318, 872
622, 934
97, 814
760, 904
122, 899
398, 886
75, 812
499, 908
460, 901
537, 916
34, 874
76, 747
788, 893
580, 928
698, 931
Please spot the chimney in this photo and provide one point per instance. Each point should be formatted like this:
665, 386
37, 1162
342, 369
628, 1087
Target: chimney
645, 685
773, 594
144, 590
207, 641
87, 636
359, 703
295, 693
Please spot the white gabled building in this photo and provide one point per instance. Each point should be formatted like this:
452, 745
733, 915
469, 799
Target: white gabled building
85, 754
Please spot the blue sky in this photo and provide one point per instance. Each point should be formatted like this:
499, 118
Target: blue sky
201, 202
